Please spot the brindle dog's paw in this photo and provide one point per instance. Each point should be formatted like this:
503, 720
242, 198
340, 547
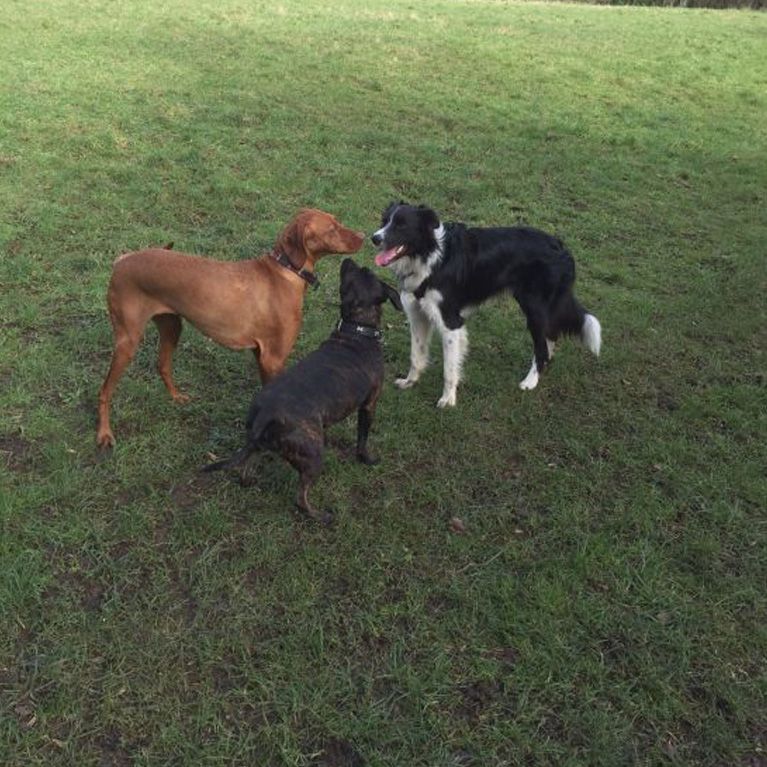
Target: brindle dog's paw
326, 518
368, 459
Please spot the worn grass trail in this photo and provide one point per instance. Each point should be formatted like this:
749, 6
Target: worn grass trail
606, 604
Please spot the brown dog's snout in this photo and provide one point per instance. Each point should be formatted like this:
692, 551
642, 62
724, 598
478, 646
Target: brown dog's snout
356, 240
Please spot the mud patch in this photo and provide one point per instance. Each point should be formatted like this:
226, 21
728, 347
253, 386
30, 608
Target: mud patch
186, 495
24, 712
227, 677
477, 697
113, 753
16, 452
666, 402
337, 753
507, 656
74, 577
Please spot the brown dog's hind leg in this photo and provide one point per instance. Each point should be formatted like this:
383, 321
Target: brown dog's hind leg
169, 327
124, 349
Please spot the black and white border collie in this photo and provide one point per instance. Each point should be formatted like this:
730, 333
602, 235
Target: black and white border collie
446, 270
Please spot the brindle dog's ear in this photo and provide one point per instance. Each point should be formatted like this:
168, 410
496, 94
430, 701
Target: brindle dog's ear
392, 295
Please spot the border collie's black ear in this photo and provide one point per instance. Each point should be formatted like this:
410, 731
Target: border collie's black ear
392, 295
430, 218
388, 210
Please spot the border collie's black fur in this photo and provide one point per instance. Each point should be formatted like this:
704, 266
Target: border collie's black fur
445, 270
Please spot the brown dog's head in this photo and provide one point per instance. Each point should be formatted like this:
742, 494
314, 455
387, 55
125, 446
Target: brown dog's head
363, 294
313, 234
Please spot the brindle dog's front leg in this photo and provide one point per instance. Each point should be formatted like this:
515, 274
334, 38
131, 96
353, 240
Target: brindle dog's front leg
364, 420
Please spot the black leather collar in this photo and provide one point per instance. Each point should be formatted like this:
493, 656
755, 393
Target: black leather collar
304, 274
363, 330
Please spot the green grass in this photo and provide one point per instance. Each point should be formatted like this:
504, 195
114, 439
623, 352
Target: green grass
606, 605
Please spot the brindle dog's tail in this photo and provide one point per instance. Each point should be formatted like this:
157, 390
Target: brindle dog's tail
256, 431
236, 460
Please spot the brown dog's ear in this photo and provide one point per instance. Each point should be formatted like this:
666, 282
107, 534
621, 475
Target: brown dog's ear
392, 295
291, 240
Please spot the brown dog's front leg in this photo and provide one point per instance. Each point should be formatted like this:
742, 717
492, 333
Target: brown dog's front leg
364, 420
270, 364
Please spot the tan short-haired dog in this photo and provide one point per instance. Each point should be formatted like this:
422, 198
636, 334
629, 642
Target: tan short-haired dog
252, 304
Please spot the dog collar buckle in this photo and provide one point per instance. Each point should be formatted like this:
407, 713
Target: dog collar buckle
308, 277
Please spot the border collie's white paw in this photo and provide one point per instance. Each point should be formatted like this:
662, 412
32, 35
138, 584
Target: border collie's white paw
404, 383
530, 382
446, 400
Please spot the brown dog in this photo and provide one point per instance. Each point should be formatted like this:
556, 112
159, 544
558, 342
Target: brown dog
253, 304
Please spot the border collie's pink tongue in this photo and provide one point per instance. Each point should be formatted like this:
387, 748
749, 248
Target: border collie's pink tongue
385, 257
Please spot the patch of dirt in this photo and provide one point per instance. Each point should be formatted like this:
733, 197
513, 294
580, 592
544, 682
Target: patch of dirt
507, 656
74, 573
257, 577
120, 549
337, 753
24, 711
476, 697
439, 602
90, 591
227, 677
16, 452
667, 402
186, 494
513, 468
93, 596
113, 751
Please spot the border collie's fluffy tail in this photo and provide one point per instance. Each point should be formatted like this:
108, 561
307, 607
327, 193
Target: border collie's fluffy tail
591, 334
570, 318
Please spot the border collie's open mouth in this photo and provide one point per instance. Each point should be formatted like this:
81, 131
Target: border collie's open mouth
386, 257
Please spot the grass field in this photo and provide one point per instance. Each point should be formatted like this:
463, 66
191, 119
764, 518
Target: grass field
606, 605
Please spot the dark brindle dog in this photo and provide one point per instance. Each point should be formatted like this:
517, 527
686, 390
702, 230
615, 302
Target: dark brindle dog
290, 414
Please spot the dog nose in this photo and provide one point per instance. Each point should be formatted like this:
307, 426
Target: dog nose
376, 239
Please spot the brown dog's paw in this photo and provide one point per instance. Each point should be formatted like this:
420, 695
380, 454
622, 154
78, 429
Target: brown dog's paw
105, 440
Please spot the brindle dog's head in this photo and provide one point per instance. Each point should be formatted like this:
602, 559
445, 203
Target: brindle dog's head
362, 295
